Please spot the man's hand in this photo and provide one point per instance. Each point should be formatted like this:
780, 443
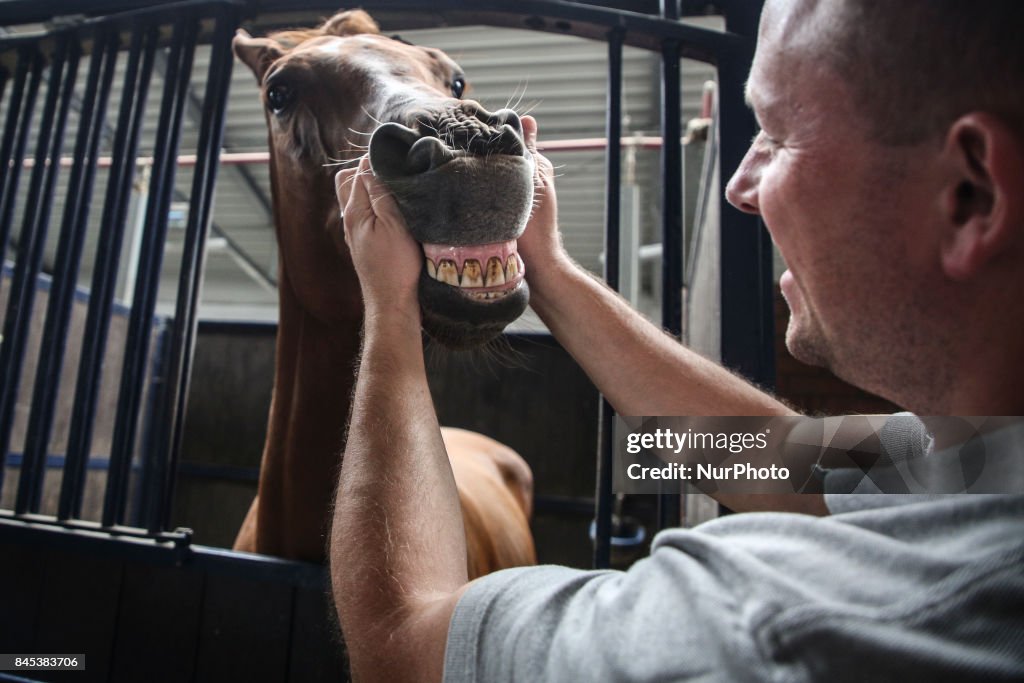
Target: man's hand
386, 257
541, 245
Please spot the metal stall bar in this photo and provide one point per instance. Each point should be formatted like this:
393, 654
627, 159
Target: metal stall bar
11, 127
69, 247
748, 321
613, 178
25, 57
179, 71
31, 244
138, 70
671, 222
183, 334
19, 120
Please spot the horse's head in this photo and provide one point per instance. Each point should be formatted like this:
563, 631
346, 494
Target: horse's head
460, 174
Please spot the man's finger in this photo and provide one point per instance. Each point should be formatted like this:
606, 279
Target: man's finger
358, 202
343, 181
379, 195
530, 133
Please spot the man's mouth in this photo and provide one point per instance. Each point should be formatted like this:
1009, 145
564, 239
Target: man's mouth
483, 272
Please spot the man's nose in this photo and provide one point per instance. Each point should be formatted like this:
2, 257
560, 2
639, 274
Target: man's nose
742, 189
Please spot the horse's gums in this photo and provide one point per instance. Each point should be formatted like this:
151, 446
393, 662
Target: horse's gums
324, 75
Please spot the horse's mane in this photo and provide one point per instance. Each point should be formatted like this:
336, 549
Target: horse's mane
347, 23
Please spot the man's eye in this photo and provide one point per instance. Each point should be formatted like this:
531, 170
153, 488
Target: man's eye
278, 97
458, 86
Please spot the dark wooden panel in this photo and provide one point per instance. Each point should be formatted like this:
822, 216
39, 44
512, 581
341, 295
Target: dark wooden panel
562, 539
158, 624
20, 583
317, 653
528, 393
245, 630
78, 611
228, 401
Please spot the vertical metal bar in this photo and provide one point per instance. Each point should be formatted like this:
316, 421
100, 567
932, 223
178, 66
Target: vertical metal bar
613, 181
148, 279
748, 322
151, 471
25, 58
69, 246
18, 128
183, 333
97, 324
11, 122
32, 244
672, 224
14, 106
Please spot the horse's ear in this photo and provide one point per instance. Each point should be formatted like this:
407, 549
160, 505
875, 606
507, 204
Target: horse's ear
350, 23
257, 53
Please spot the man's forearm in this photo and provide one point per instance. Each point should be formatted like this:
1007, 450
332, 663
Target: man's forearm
654, 374
397, 538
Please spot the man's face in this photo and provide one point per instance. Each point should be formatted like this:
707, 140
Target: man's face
839, 207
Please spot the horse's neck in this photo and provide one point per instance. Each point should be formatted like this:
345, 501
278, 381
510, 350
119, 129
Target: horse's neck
313, 381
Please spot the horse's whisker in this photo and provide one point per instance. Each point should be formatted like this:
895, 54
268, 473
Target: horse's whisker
372, 117
529, 109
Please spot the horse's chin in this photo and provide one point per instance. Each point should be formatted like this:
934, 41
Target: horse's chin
461, 318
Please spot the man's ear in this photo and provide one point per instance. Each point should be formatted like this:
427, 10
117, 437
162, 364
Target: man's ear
983, 202
257, 53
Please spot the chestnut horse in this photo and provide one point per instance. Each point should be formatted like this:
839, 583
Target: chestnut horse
463, 179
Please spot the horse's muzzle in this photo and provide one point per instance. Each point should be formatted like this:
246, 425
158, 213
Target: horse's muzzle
463, 181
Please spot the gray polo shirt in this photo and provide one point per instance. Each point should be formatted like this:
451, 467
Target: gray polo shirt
891, 588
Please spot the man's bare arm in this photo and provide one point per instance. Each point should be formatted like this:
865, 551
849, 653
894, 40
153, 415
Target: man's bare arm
653, 374
398, 549
639, 368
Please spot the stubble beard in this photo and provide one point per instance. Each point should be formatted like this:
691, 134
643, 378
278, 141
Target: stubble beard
806, 342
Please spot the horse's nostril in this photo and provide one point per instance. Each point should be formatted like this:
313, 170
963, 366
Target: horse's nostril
508, 117
389, 148
426, 154
397, 151
509, 140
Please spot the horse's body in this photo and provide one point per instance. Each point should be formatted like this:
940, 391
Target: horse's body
325, 89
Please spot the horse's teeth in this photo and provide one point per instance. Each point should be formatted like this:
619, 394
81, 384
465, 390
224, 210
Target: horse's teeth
511, 267
431, 269
471, 276
448, 273
495, 273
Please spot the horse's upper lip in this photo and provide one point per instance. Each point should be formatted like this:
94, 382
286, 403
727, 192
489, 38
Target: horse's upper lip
487, 270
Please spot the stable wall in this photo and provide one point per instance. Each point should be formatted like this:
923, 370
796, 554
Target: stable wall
524, 391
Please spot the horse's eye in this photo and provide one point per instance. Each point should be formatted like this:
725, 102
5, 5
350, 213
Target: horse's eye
458, 86
278, 97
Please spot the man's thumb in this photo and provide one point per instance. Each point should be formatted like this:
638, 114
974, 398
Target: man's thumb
530, 132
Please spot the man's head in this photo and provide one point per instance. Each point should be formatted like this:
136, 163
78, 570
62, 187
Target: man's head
890, 172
